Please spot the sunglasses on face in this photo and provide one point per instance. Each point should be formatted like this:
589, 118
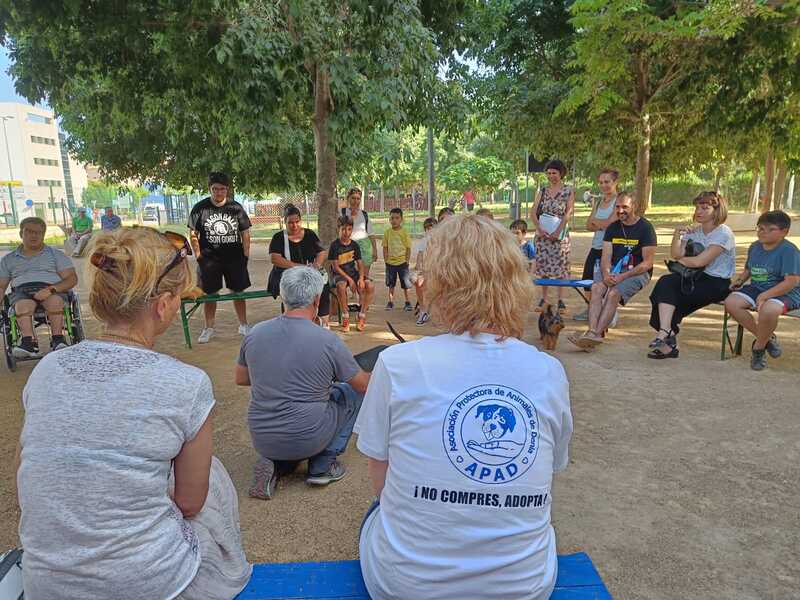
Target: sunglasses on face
182, 250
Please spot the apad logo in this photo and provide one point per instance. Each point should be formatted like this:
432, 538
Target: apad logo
490, 434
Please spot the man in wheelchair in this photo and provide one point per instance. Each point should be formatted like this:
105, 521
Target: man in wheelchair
40, 276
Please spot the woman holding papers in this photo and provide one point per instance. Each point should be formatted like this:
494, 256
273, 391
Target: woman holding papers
550, 215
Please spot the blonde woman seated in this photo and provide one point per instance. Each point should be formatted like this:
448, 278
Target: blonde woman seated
120, 494
463, 432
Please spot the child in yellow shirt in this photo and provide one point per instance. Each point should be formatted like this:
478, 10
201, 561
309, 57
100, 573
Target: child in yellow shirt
396, 254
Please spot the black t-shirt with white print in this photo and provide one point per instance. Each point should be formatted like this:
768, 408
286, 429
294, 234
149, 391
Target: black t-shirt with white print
219, 228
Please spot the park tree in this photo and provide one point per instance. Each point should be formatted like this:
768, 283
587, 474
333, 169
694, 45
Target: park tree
274, 92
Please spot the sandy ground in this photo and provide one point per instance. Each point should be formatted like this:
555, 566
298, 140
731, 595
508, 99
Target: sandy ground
683, 475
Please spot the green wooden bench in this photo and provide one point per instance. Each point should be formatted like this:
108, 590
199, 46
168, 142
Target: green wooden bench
194, 304
735, 345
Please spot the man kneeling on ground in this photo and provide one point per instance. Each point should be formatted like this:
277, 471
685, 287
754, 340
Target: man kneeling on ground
629, 246
295, 412
39, 276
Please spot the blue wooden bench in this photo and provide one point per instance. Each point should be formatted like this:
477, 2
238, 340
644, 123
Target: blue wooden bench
579, 285
577, 580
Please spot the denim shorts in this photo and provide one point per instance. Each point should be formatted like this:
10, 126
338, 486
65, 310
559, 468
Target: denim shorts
393, 272
751, 292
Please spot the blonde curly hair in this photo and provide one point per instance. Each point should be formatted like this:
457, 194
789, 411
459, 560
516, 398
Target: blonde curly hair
477, 278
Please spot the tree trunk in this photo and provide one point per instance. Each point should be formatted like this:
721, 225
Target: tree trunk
325, 158
752, 198
769, 182
790, 193
780, 186
382, 196
643, 166
718, 178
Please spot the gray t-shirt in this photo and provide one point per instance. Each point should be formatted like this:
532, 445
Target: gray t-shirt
292, 363
724, 265
103, 422
603, 214
42, 267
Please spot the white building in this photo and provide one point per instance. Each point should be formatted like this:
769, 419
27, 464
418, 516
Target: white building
34, 163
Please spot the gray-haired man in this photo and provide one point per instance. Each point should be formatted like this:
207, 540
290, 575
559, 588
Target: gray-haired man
295, 412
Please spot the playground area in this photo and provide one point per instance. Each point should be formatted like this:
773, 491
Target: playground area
682, 473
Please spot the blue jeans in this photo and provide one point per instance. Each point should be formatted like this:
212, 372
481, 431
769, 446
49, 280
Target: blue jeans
347, 402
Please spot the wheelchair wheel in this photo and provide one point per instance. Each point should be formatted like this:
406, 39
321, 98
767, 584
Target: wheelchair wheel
77, 334
11, 361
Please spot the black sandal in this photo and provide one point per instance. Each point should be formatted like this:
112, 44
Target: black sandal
658, 341
658, 352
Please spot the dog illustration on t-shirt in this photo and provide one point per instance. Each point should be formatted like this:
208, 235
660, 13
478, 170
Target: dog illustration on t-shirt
497, 422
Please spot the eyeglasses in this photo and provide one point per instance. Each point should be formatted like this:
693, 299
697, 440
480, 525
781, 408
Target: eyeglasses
182, 250
765, 229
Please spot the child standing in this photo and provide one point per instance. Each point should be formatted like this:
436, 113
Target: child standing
349, 272
418, 276
396, 254
520, 228
773, 268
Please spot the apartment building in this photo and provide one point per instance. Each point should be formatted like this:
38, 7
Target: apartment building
45, 180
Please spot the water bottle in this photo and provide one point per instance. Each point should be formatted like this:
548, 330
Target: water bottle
596, 271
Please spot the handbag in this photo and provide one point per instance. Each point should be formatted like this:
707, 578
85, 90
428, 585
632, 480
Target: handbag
274, 280
689, 275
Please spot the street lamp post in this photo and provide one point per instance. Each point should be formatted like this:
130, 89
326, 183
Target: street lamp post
5, 118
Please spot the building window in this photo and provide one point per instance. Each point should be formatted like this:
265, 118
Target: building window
50, 162
48, 182
37, 139
41, 119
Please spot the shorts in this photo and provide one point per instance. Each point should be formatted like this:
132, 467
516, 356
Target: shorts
395, 271
588, 266
25, 291
629, 287
751, 292
211, 272
338, 278
365, 246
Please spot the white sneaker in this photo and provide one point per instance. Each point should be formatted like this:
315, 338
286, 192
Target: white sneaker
205, 335
244, 329
423, 318
614, 320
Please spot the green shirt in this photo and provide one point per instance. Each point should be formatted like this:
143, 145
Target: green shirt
82, 224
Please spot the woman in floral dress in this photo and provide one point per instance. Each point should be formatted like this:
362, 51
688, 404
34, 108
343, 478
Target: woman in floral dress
550, 215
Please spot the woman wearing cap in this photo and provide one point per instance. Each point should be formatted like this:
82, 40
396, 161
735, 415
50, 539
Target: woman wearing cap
550, 215
713, 253
305, 248
121, 496
362, 230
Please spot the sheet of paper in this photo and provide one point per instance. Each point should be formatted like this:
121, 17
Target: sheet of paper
549, 223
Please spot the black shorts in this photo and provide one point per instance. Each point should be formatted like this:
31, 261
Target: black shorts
395, 271
588, 266
211, 272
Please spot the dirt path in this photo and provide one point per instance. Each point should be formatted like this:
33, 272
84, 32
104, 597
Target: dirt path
683, 476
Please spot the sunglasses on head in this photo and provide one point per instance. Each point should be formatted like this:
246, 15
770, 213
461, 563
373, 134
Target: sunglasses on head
182, 250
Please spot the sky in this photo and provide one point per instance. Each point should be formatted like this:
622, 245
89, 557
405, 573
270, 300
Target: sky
7, 92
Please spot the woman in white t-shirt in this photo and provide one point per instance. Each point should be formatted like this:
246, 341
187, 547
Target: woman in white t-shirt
463, 432
120, 494
362, 229
713, 252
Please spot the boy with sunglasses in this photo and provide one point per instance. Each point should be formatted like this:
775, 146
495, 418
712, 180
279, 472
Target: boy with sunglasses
220, 235
773, 268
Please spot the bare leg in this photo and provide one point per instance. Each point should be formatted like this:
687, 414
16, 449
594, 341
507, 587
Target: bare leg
599, 290
739, 309
210, 312
767, 323
54, 305
665, 313
24, 310
240, 306
419, 288
341, 294
610, 304
391, 294
365, 296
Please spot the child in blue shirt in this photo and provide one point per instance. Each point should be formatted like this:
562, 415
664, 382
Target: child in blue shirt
773, 268
520, 228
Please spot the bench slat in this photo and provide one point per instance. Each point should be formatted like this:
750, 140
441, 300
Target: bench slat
577, 580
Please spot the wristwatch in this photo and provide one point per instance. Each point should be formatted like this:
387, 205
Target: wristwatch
53, 289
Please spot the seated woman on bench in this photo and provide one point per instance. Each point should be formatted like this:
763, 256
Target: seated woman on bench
463, 432
121, 496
